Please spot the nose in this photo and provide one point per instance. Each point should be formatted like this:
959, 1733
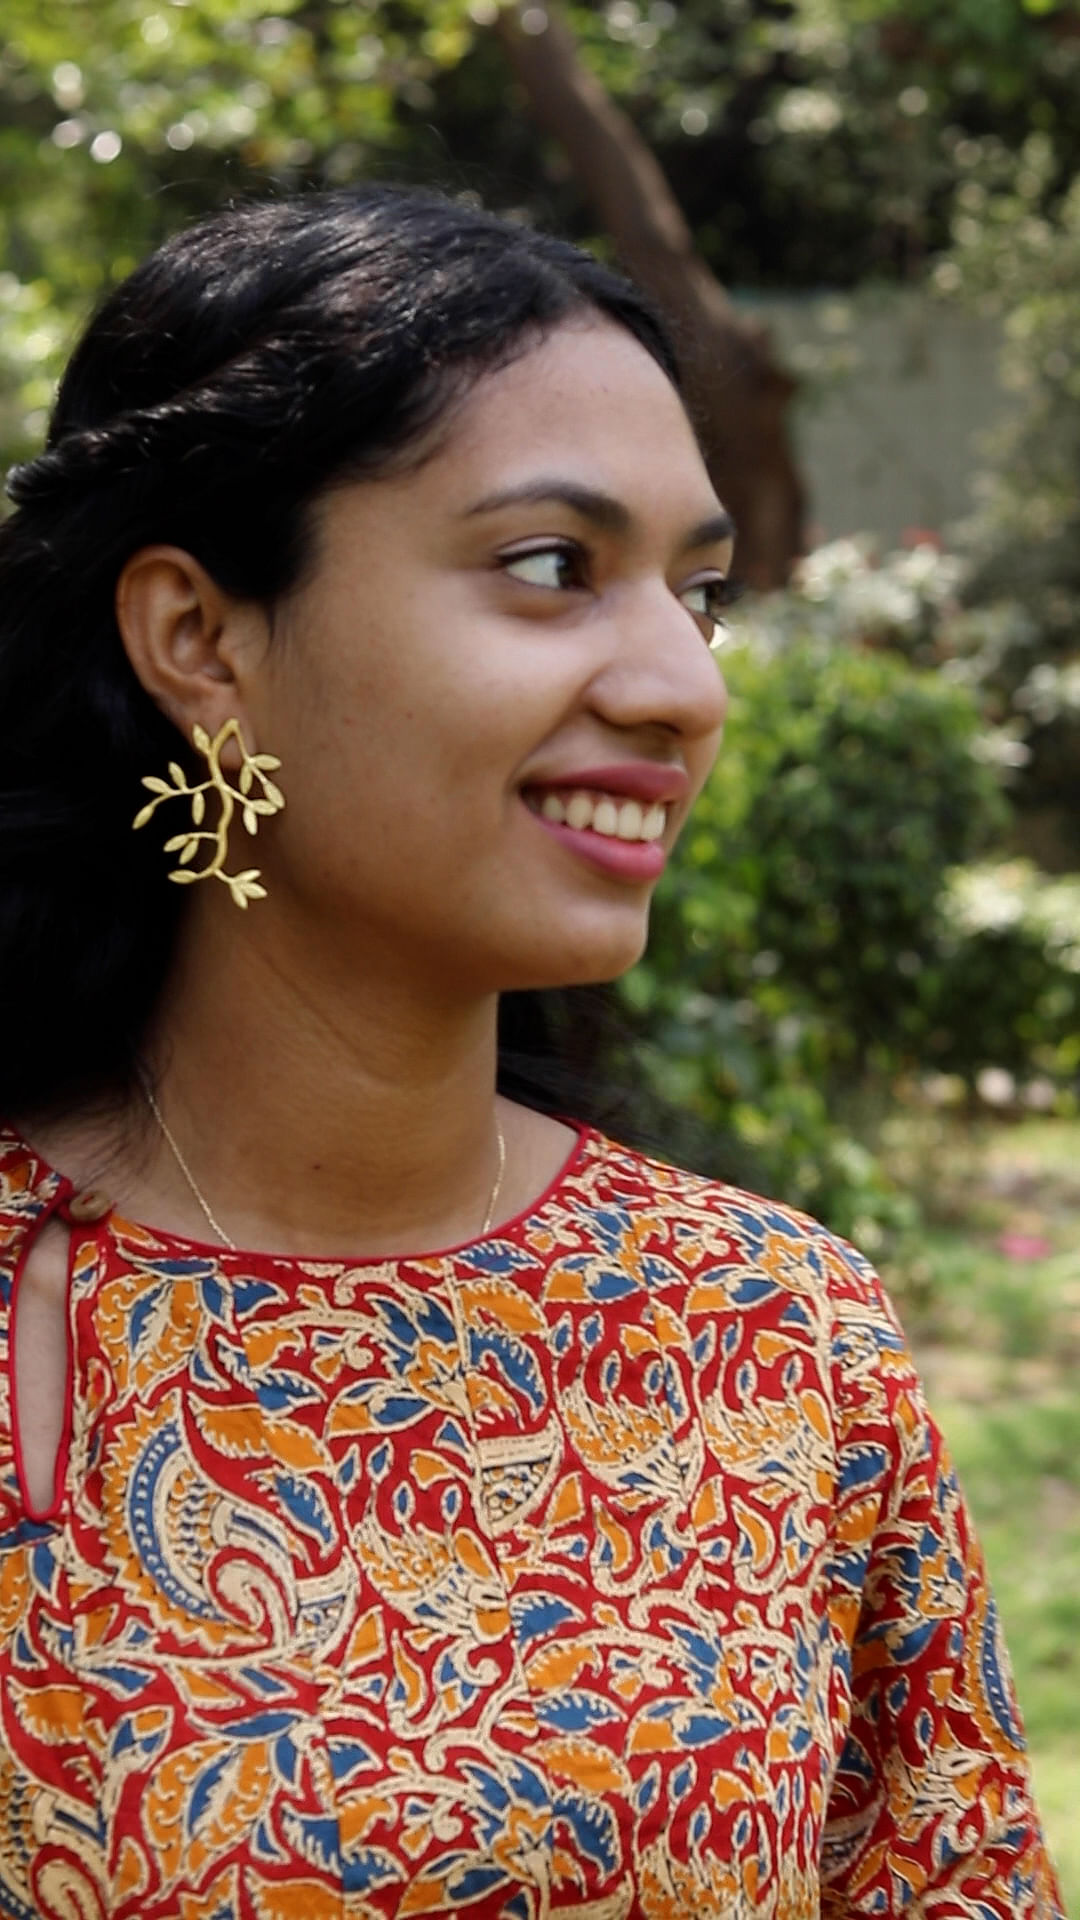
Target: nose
657, 669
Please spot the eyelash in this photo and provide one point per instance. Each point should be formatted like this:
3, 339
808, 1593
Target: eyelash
720, 593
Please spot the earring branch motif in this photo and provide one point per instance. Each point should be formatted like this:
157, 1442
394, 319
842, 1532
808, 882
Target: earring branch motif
254, 793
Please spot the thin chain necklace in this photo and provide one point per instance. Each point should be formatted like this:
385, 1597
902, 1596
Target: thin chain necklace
216, 1227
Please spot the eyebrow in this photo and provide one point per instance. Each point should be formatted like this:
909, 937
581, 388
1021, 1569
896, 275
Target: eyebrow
602, 509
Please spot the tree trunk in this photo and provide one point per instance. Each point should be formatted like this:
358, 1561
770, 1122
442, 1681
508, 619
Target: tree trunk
737, 394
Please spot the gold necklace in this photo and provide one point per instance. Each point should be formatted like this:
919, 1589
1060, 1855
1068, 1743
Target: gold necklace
216, 1227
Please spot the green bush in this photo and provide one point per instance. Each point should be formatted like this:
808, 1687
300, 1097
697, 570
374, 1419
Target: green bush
801, 938
1016, 253
1007, 987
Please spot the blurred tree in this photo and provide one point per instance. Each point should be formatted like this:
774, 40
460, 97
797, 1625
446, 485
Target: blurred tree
806, 141
738, 394
1017, 253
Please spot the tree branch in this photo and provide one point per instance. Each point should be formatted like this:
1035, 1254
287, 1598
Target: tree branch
736, 392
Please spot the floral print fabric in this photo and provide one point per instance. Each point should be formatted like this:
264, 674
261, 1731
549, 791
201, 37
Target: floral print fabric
609, 1566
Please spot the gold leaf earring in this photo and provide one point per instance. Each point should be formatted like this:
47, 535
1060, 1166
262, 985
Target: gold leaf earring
255, 768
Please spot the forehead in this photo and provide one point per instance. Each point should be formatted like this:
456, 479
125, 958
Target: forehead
587, 405
587, 393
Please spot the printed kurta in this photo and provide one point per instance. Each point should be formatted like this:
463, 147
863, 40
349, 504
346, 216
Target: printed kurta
608, 1566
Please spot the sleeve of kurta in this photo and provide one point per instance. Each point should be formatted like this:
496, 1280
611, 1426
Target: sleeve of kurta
930, 1814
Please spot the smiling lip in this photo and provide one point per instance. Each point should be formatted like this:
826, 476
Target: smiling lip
647, 780
635, 860
650, 782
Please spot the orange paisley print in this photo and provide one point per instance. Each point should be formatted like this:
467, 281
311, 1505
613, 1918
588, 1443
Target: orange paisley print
607, 1567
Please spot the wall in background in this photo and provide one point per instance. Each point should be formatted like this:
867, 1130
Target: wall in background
898, 389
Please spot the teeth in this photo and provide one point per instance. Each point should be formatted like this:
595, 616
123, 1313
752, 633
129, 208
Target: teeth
606, 815
628, 826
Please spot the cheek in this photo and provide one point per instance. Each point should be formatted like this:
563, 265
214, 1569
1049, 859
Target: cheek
702, 754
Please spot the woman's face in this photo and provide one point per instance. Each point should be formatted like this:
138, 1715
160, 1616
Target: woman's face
493, 695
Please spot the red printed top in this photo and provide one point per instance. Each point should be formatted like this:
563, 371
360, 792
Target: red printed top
608, 1566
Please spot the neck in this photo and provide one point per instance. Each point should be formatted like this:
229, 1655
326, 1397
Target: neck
320, 1112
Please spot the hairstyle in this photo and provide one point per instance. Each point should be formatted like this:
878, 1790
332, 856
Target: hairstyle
254, 360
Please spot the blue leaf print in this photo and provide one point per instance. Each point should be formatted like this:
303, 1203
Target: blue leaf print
146, 1306
683, 1779
498, 1257
347, 1755
539, 1613
470, 1882
303, 1500
593, 1826
647, 1789
862, 1465
248, 1294
515, 1361
451, 1434
575, 1711
529, 1785
493, 1794
316, 1838
285, 1389
366, 1869
707, 1663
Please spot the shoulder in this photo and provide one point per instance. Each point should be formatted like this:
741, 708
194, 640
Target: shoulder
768, 1310
710, 1226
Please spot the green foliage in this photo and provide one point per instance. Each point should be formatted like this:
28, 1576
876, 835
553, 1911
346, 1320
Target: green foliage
810, 141
1017, 253
800, 931
823, 936
1008, 986
122, 119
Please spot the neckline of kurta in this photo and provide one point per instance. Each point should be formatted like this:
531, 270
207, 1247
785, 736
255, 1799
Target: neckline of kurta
55, 1191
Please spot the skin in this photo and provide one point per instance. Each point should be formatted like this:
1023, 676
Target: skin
341, 1033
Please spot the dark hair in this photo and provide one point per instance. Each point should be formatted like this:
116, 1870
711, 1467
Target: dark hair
251, 362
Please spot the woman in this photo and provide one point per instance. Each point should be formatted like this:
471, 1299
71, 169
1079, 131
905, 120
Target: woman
515, 1525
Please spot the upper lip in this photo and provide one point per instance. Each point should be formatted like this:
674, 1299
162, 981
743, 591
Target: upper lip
648, 780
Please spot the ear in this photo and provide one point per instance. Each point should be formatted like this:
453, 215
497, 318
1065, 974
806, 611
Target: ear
191, 644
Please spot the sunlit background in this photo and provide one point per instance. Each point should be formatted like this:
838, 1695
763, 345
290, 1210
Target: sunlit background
863, 218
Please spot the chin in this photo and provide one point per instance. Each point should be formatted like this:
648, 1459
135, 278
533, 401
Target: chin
585, 961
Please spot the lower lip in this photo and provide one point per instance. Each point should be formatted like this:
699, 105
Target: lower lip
627, 859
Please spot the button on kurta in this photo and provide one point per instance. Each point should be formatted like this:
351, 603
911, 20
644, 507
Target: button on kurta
91, 1204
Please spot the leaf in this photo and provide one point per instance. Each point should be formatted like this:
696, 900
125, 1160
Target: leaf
247, 885
178, 840
274, 795
247, 775
250, 822
201, 738
184, 876
198, 807
154, 784
144, 813
189, 852
178, 776
266, 762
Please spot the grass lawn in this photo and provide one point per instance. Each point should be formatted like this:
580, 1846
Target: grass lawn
990, 1294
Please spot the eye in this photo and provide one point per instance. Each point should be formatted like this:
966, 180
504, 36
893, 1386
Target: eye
707, 601
556, 567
